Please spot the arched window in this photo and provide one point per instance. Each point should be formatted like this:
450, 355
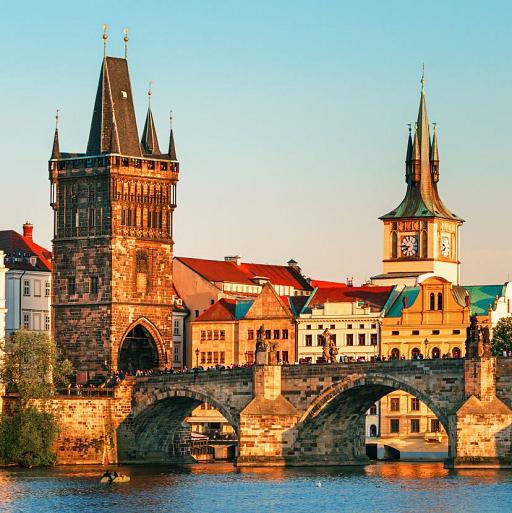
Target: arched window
415, 353
141, 271
439, 300
394, 244
395, 353
456, 352
373, 431
436, 353
432, 301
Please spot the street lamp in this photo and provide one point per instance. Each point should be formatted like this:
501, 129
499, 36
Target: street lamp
197, 358
246, 356
426, 344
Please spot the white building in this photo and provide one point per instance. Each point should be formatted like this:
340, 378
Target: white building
179, 314
27, 281
3, 307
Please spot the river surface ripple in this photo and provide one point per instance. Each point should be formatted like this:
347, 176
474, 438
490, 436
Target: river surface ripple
385, 487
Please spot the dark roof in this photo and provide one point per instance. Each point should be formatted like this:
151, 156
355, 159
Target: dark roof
422, 197
172, 147
55, 148
149, 138
224, 271
18, 250
114, 127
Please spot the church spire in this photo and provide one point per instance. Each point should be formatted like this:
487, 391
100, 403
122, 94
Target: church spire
149, 138
55, 148
172, 147
434, 156
408, 158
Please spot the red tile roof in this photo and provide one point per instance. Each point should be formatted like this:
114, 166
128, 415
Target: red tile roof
323, 284
222, 271
222, 310
19, 249
375, 296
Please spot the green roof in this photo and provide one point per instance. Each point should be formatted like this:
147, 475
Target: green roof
482, 296
241, 308
411, 293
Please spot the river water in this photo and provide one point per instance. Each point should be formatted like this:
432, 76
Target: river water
384, 487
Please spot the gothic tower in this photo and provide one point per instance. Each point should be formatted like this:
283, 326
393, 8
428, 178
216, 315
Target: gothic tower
421, 235
113, 213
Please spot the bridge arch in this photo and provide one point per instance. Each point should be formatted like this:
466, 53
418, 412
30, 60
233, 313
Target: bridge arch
156, 418
332, 428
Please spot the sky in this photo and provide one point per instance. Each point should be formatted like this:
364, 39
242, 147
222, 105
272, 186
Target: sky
290, 118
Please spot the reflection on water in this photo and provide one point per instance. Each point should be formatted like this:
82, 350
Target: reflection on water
386, 487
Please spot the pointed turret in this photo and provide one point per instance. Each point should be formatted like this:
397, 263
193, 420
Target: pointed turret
55, 149
114, 112
172, 147
422, 197
149, 138
408, 159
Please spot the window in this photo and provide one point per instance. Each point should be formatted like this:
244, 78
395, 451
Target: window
333, 339
47, 289
373, 410
415, 425
268, 334
203, 357
374, 326
215, 334
395, 333
285, 356
435, 426
394, 425
320, 326
176, 353
250, 334
222, 335
415, 404
432, 301
92, 217
435, 332
395, 353
47, 323
333, 327
439, 301
196, 313
26, 321
215, 357
373, 339
209, 334
319, 340
394, 404
209, 357
361, 339
361, 326
350, 339
456, 332
250, 357
309, 340
176, 327
26, 287
276, 333
349, 326
415, 332
94, 286
37, 288
142, 269
203, 335
308, 326
71, 286
373, 431
222, 357
285, 334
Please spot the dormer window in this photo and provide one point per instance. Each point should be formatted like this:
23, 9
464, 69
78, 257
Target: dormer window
124, 95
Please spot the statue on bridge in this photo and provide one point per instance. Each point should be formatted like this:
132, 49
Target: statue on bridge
330, 351
478, 341
265, 350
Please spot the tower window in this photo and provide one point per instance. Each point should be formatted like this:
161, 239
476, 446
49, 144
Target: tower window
94, 286
142, 268
71, 286
439, 301
432, 301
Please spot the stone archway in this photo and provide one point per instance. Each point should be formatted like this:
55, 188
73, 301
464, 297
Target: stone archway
151, 431
141, 348
332, 430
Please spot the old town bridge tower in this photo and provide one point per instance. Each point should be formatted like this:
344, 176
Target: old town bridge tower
113, 213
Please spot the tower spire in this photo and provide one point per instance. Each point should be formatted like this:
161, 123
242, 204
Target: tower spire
149, 138
172, 147
55, 148
434, 156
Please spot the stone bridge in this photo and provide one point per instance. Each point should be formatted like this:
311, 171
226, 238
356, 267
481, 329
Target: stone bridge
315, 414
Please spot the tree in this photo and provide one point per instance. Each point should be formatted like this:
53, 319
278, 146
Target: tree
31, 369
502, 336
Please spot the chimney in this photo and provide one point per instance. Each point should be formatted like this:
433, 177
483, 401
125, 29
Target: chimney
294, 265
236, 259
28, 228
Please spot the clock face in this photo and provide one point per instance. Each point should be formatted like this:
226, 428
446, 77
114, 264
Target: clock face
445, 246
409, 245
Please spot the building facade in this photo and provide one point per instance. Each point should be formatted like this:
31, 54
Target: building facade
27, 281
179, 314
3, 301
113, 214
421, 235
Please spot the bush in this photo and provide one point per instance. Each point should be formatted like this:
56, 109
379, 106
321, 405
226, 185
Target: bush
27, 437
502, 336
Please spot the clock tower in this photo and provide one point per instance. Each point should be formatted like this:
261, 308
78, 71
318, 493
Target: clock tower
421, 236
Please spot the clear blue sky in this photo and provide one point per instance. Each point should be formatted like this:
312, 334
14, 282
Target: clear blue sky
290, 118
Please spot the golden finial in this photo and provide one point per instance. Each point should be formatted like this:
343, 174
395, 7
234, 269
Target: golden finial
105, 37
149, 92
170, 118
410, 127
423, 78
435, 127
57, 120
125, 39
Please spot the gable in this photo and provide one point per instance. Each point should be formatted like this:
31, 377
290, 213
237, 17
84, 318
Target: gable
268, 305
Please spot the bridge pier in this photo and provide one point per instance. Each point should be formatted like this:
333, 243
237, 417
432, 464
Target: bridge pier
482, 426
267, 422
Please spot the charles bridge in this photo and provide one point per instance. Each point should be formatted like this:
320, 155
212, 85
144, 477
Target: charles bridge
294, 415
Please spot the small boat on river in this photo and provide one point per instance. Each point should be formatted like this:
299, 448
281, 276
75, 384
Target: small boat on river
121, 478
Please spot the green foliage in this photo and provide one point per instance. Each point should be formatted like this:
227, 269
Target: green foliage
27, 437
32, 366
502, 336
